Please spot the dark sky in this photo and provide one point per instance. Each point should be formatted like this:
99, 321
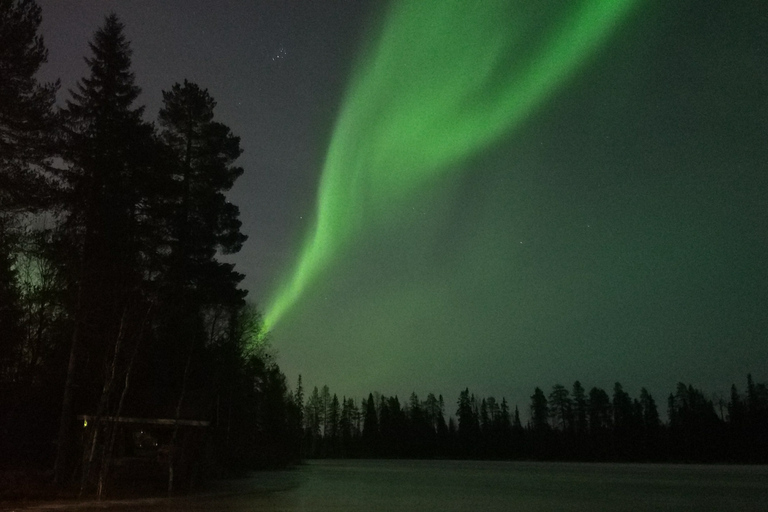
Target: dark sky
619, 234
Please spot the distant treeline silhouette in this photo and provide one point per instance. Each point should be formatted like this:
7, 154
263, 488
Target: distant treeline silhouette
564, 424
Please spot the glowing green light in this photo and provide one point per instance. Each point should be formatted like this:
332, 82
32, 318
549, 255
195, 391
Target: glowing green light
443, 80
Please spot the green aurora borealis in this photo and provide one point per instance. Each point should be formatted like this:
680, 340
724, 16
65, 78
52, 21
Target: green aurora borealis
614, 231
443, 81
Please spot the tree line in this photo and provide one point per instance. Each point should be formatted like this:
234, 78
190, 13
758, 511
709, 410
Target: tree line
113, 301
564, 424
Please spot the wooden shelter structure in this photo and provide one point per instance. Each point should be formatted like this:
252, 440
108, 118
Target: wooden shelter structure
142, 452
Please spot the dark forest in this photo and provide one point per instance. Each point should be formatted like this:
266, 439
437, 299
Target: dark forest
113, 303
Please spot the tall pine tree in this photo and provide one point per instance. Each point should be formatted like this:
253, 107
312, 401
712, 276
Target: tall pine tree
27, 123
111, 188
202, 223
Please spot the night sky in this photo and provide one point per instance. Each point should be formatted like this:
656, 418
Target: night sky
619, 232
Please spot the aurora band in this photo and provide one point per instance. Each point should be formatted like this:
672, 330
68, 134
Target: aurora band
441, 80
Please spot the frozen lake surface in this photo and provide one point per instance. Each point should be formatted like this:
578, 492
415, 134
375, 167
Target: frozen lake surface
374, 485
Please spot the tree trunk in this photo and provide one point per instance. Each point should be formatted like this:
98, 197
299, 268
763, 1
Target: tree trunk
172, 450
